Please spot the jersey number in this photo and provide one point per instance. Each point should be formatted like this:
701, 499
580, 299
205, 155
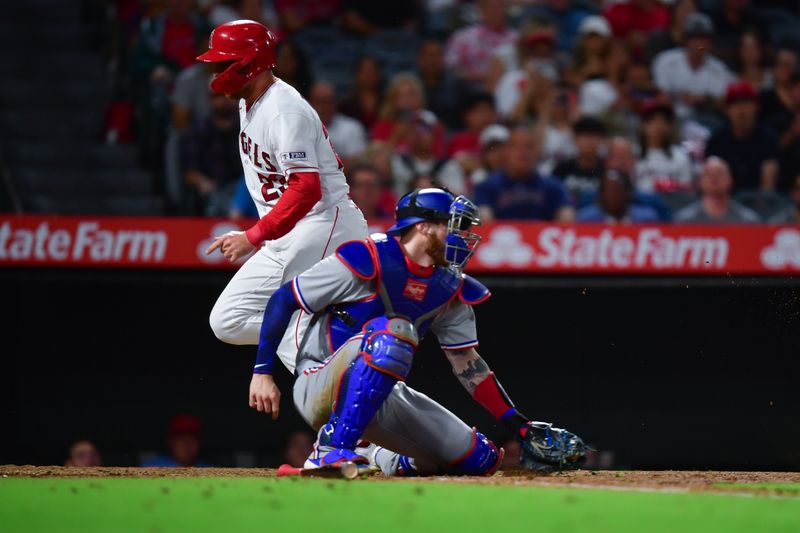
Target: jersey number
270, 182
338, 159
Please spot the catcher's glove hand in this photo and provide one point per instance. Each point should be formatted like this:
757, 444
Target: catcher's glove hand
547, 449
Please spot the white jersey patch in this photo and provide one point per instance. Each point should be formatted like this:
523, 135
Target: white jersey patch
280, 134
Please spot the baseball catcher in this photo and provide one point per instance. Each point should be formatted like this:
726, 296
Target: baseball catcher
370, 304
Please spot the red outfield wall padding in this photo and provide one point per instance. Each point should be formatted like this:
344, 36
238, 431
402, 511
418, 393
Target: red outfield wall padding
519, 247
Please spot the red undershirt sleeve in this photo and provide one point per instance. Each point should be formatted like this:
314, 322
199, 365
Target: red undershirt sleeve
303, 192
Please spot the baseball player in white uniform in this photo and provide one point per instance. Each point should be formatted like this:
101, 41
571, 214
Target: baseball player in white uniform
296, 181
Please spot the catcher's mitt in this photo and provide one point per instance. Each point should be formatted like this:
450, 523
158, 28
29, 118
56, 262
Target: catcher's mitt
548, 449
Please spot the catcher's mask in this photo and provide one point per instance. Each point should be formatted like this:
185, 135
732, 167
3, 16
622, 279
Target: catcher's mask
461, 241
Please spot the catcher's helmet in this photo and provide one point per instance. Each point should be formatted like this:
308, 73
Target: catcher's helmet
248, 44
421, 205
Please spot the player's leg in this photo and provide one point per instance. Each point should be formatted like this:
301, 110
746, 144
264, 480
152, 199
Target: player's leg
420, 436
408, 422
237, 315
384, 358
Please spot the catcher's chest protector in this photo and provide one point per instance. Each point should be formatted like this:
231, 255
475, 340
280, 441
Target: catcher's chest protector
398, 291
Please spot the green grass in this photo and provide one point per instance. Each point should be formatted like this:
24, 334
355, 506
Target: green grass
788, 489
321, 506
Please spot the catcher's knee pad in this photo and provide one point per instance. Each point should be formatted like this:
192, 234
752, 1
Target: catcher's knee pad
385, 358
389, 345
483, 459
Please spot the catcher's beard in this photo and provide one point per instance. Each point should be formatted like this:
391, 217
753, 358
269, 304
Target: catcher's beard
435, 249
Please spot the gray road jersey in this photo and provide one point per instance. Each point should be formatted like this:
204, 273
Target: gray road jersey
330, 281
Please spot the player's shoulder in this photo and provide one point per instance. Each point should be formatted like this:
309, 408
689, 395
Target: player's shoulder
473, 291
359, 257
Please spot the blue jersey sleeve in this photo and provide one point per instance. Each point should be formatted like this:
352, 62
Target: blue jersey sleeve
277, 316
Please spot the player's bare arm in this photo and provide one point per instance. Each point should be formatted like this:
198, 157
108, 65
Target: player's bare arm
468, 367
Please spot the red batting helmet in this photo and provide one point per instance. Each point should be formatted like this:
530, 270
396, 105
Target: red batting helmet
251, 47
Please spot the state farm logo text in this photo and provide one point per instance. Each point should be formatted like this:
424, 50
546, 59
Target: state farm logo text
559, 247
87, 242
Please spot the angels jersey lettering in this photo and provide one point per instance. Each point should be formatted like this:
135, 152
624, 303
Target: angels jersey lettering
280, 134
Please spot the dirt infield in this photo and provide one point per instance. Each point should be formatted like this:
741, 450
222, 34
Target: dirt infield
637, 479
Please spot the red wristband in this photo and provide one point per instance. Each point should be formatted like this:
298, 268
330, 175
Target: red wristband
492, 397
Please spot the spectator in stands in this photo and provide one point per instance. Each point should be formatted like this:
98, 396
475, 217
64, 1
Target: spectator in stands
751, 61
404, 96
469, 50
367, 17
519, 89
564, 16
663, 166
715, 204
211, 156
83, 453
518, 191
778, 105
671, 37
294, 15
364, 102
190, 94
478, 114
367, 191
615, 203
731, 20
634, 20
582, 173
749, 149
621, 156
291, 65
444, 92
298, 448
555, 127
694, 79
493, 142
183, 442
791, 214
347, 135
589, 58
168, 43
421, 161
534, 50
603, 93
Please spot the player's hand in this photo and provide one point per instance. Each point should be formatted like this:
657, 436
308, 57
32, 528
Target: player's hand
234, 245
265, 396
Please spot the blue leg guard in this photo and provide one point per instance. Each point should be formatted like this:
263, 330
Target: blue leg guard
385, 358
483, 459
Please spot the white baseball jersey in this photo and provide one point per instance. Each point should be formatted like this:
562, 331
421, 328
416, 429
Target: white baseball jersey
280, 134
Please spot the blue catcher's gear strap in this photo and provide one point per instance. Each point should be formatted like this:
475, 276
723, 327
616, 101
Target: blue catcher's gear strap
387, 351
482, 459
277, 316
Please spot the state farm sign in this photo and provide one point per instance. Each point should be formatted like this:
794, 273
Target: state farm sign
87, 242
563, 247
523, 247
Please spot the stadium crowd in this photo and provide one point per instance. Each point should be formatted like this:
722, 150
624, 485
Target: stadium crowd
598, 111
